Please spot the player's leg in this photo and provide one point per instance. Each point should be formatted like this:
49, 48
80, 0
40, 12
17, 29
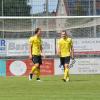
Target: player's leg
34, 68
66, 72
38, 68
38, 74
62, 62
66, 68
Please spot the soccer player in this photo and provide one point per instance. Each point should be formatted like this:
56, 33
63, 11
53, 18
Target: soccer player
65, 51
35, 47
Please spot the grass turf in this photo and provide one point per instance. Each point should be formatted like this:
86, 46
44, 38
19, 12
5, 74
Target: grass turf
81, 87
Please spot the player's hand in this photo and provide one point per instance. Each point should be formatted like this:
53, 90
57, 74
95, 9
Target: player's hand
73, 60
43, 55
30, 56
58, 53
72, 57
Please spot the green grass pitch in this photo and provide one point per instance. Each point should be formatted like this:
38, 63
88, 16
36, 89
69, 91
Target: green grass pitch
81, 87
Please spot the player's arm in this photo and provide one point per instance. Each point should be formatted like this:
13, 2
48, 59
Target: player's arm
30, 51
72, 51
42, 51
30, 48
58, 51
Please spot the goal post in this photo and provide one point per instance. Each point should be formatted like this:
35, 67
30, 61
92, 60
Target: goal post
74, 24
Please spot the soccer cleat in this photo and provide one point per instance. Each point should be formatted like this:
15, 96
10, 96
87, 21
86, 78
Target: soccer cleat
64, 80
30, 76
38, 79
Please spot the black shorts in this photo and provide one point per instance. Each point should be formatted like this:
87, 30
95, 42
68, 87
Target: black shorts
64, 60
37, 59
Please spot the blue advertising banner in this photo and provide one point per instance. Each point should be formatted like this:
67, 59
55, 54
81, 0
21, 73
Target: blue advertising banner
3, 46
2, 67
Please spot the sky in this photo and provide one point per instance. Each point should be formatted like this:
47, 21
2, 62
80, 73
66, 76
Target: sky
38, 5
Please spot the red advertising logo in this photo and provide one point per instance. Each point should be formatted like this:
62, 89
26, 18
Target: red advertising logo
23, 67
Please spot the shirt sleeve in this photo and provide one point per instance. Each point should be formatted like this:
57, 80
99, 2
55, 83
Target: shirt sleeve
30, 40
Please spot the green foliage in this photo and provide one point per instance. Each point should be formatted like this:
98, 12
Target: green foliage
0, 7
16, 8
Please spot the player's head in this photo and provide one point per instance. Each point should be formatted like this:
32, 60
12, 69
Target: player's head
64, 34
38, 31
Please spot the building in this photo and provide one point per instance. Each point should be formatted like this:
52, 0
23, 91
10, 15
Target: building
81, 7
78, 8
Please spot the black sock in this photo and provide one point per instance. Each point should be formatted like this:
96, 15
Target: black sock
31, 76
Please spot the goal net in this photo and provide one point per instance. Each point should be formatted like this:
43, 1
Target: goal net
76, 25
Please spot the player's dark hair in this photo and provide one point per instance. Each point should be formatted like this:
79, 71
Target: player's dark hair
64, 31
36, 30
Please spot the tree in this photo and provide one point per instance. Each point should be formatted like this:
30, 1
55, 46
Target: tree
16, 8
0, 7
